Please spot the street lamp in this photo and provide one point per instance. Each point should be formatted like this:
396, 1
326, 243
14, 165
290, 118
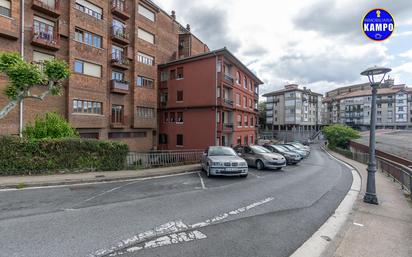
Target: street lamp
376, 75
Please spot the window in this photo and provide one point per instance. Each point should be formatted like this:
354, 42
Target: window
164, 76
389, 104
88, 38
245, 140
166, 117
119, 29
144, 82
245, 102
238, 78
379, 120
89, 8
44, 29
119, 4
251, 85
239, 140
39, 58
172, 117
173, 74
179, 73
179, 140
118, 76
162, 139
87, 68
117, 53
251, 121
245, 82
379, 105
144, 58
218, 92
379, 112
145, 112
246, 121
238, 99
146, 12
82, 106
179, 117
5, 8
126, 134
218, 117
146, 36
250, 104
239, 120
400, 108
117, 114
179, 96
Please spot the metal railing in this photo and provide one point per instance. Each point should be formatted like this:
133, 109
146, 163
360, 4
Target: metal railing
399, 173
163, 158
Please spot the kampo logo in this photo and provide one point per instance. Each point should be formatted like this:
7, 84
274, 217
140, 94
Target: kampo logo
378, 24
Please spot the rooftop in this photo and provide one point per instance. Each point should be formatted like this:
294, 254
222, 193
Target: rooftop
291, 88
381, 91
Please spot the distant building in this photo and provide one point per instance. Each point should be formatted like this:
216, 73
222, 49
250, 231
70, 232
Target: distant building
293, 108
351, 105
207, 99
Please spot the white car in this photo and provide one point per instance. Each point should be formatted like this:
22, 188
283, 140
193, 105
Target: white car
223, 161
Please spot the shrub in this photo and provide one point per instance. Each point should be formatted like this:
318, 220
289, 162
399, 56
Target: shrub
339, 135
51, 125
29, 157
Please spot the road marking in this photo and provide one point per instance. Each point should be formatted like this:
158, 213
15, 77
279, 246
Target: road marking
176, 228
358, 224
253, 174
107, 191
201, 181
99, 182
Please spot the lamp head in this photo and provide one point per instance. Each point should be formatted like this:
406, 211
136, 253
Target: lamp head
376, 74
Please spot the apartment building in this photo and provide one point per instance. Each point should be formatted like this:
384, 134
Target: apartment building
207, 99
293, 108
113, 49
353, 107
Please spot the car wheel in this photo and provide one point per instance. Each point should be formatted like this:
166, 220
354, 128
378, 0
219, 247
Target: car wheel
208, 171
260, 165
244, 176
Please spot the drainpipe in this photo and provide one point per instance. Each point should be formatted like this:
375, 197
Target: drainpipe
215, 98
22, 56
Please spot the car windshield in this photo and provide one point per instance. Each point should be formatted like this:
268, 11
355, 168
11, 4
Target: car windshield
289, 147
219, 151
280, 148
259, 149
297, 145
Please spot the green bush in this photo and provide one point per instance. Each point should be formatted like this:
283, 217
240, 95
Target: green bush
339, 135
30, 157
51, 125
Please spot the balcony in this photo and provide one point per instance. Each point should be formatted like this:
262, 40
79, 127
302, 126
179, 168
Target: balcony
47, 7
225, 102
47, 40
227, 78
119, 87
118, 121
119, 35
120, 9
228, 127
120, 61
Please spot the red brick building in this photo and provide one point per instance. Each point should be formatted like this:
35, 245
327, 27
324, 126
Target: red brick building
207, 99
113, 48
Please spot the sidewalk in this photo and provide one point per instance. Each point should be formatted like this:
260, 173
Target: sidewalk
383, 230
62, 179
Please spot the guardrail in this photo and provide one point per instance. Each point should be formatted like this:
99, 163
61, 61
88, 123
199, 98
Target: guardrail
163, 158
399, 173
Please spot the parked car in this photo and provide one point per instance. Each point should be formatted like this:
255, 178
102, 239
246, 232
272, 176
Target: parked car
260, 157
290, 156
223, 161
299, 145
292, 148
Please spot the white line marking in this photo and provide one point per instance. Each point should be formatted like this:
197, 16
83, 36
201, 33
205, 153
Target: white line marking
358, 224
174, 227
316, 245
201, 181
99, 182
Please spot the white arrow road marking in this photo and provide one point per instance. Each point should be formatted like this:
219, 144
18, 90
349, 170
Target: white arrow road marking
176, 228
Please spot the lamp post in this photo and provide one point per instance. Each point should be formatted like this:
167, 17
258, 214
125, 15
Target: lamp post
375, 75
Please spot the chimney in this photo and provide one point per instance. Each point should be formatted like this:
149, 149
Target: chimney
188, 27
173, 15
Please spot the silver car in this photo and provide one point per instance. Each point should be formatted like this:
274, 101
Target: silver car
260, 157
223, 161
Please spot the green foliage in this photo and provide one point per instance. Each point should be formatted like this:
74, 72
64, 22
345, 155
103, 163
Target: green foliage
51, 125
23, 76
339, 135
25, 157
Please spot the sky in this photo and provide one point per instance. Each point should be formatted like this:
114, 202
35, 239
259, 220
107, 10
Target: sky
314, 43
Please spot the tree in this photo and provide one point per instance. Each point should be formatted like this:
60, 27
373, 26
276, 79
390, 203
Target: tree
262, 115
24, 76
339, 135
51, 125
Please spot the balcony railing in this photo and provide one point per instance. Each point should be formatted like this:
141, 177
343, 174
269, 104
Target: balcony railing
228, 78
119, 8
120, 61
48, 40
118, 121
47, 7
120, 35
228, 127
119, 86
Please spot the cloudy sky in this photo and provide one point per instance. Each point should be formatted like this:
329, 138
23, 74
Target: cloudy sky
316, 43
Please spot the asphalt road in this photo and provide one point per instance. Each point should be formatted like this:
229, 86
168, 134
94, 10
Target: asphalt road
270, 213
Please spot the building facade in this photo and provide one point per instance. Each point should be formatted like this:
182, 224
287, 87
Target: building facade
113, 49
352, 107
293, 108
207, 99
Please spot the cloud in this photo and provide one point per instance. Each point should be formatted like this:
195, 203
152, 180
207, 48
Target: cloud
407, 54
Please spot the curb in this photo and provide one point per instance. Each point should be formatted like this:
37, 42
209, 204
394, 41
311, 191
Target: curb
321, 242
28, 185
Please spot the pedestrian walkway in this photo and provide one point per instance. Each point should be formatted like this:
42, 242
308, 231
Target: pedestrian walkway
61, 179
383, 230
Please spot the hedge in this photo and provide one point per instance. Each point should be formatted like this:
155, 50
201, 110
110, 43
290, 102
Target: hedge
25, 157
